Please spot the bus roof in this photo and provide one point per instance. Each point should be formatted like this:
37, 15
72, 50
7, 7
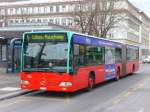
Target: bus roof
84, 35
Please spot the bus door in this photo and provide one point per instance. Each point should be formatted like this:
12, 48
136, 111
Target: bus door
15, 55
109, 63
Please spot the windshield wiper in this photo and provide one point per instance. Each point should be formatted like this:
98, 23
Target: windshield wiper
40, 53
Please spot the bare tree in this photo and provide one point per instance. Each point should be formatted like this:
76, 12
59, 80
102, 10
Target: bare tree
96, 17
84, 15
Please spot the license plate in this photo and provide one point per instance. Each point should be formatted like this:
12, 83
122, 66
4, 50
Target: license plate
42, 88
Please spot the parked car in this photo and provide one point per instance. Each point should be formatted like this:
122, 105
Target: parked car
146, 59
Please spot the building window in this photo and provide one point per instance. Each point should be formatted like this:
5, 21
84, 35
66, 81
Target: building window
24, 10
39, 20
63, 8
70, 22
10, 21
30, 10
2, 11
57, 21
33, 20
16, 21
46, 9
28, 21
133, 36
133, 25
36, 10
51, 21
10, 11
41, 9
64, 22
51, 9
45, 20
18, 10
27, 10
57, 9
22, 21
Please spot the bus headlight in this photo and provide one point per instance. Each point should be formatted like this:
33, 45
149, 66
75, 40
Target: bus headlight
24, 82
65, 84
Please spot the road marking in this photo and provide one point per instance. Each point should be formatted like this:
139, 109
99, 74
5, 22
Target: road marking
127, 94
109, 108
116, 101
9, 89
134, 89
141, 110
11, 103
142, 84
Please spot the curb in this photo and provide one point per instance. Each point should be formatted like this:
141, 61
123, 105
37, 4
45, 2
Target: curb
14, 94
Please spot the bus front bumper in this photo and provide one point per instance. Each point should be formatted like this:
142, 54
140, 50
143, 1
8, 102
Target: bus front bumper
60, 88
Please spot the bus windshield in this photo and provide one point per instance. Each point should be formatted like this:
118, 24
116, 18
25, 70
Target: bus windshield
45, 55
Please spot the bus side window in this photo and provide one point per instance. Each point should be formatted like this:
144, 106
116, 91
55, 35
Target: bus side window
95, 55
118, 55
109, 55
88, 55
79, 55
132, 54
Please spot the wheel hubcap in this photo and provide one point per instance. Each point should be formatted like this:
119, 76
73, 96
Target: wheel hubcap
91, 82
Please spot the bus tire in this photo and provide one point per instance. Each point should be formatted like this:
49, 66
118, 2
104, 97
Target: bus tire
118, 75
133, 69
91, 82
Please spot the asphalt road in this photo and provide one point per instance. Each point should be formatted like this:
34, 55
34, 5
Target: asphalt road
130, 94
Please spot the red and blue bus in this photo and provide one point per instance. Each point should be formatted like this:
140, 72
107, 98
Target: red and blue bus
68, 61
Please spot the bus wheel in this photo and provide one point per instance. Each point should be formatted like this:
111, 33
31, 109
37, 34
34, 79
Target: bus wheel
90, 82
118, 75
133, 68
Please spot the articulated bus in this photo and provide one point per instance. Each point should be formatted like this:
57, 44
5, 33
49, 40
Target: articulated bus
67, 61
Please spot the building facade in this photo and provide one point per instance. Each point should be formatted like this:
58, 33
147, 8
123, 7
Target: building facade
135, 29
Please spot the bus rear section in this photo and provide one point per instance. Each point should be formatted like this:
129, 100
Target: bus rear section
132, 59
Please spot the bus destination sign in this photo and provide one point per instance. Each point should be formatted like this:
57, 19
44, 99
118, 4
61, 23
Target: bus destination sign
46, 37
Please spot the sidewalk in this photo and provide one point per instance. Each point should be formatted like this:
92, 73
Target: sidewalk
9, 86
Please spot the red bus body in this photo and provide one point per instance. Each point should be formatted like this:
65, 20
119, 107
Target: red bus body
51, 81
130, 65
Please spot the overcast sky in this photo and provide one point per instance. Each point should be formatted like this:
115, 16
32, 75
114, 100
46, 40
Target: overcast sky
144, 5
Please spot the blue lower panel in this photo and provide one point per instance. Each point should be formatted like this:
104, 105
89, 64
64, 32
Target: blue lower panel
110, 71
